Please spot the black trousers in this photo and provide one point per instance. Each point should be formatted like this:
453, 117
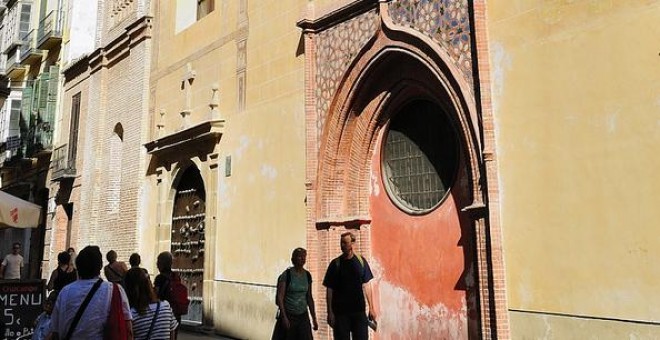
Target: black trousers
300, 328
352, 323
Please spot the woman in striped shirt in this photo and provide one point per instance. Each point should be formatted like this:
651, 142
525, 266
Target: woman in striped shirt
152, 319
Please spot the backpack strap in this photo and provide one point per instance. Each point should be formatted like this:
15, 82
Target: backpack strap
288, 279
337, 262
121, 277
82, 308
309, 278
153, 321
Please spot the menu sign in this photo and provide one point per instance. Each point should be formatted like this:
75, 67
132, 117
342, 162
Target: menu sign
20, 305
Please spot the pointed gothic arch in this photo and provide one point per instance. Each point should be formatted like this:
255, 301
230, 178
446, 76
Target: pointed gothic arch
396, 64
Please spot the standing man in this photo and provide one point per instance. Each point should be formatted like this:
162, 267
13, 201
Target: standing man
347, 281
12, 264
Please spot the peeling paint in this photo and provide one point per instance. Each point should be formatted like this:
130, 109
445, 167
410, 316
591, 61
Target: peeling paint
374, 188
501, 64
424, 267
268, 171
407, 318
244, 143
612, 121
548, 329
223, 193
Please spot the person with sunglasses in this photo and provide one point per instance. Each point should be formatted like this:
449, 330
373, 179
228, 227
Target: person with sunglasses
12, 264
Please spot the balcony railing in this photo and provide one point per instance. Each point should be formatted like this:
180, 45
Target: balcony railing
63, 166
29, 51
49, 33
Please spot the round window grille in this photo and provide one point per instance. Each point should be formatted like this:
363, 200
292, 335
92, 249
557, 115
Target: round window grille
420, 157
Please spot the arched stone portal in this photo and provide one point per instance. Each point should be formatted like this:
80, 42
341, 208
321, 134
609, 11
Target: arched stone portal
434, 270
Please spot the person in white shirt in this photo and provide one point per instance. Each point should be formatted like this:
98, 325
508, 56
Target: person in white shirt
89, 263
12, 264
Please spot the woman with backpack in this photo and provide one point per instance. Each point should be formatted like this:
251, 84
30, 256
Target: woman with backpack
294, 299
152, 318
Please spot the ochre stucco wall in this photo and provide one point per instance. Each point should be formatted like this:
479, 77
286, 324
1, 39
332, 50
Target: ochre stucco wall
575, 103
261, 206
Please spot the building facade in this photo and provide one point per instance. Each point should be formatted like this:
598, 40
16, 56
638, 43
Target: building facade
31, 35
226, 155
78, 42
482, 152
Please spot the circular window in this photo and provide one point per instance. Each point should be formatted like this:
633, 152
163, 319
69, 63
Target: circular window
420, 156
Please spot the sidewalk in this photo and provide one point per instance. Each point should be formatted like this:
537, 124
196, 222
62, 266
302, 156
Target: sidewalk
191, 335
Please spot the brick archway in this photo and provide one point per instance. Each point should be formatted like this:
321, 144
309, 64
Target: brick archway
391, 69
394, 66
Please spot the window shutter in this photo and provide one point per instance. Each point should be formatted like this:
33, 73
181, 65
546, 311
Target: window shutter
51, 100
26, 105
14, 118
43, 92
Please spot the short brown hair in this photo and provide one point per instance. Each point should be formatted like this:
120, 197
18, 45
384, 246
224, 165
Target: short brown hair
348, 233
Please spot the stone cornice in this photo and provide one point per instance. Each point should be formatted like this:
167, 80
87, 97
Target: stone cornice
203, 134
76, 68
312, 22
119, 47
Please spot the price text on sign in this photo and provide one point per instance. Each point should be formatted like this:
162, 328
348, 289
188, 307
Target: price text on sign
21, 302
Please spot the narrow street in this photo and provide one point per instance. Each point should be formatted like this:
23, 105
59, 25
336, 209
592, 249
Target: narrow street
191, 335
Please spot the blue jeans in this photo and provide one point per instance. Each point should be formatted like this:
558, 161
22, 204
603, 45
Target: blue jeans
351, 323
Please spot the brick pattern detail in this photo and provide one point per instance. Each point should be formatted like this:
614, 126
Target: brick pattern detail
498, 312
120, 10
445, 21
336, 48
115, 98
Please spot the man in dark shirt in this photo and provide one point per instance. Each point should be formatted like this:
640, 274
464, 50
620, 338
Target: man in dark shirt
347, 281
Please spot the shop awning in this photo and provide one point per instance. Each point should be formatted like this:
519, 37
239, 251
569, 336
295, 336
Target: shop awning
18, 213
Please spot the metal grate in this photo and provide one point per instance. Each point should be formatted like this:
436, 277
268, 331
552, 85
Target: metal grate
419, 157
414, 178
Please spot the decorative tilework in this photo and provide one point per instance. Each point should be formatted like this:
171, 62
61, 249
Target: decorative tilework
120, 10
337, 47
445, 21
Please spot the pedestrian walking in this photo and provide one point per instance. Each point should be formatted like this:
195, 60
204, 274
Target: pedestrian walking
11, 266
152, 318
63, 274
346, 281
85, 307
169, 288
134, 260
294, 299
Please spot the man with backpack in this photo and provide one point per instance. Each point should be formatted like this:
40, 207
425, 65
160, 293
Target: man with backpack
169, 287
347, 281
294, 298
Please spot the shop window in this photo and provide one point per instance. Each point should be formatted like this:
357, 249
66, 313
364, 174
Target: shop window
420, 157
